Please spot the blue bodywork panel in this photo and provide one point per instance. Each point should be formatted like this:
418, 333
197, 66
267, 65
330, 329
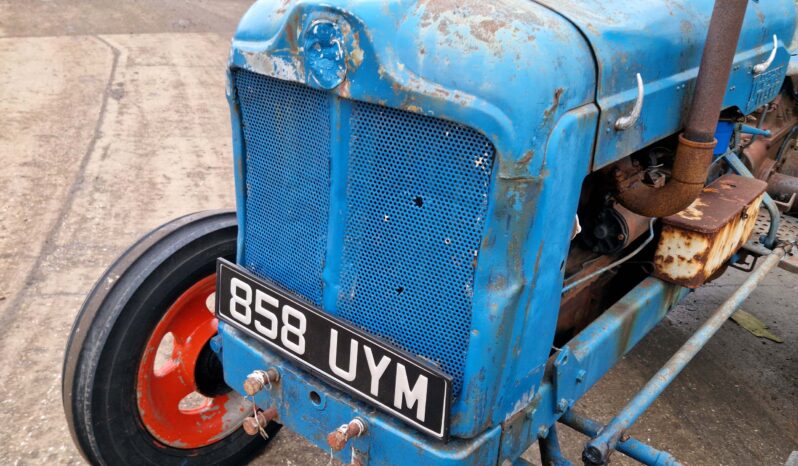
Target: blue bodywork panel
667, 56
534, 84
388, 441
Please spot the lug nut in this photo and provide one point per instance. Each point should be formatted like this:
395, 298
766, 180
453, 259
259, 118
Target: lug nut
253, 424
259, 379
337, 439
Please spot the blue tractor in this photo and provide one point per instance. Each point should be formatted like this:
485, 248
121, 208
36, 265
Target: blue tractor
453, 218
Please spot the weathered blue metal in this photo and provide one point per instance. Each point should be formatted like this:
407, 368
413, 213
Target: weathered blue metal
668, 61
579, 364
599, 448
388, 441
539, 84
550, 453
398, 58
629, 446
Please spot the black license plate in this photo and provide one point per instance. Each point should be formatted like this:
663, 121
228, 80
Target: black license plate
361, 364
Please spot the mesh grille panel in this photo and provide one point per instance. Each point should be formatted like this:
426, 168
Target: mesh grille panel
287, 141
416, 199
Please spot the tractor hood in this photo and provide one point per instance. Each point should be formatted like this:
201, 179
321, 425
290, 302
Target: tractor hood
509, 68
663, 41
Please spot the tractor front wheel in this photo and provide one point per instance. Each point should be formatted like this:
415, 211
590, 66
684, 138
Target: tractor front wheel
141, 381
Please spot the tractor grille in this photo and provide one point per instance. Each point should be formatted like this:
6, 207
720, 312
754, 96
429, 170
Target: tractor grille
287, 146
407, 224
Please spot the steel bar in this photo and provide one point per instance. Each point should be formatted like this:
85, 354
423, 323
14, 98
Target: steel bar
550, 453
597, 450
629, 446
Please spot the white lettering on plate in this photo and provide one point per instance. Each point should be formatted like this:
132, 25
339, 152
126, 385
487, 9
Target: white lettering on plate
376, 369
349, 374
416, 397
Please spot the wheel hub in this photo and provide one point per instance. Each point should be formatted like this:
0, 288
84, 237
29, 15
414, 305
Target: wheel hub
181, 395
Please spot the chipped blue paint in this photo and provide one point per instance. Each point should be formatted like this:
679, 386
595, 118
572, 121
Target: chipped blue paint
668, 61
591, 354
388, 442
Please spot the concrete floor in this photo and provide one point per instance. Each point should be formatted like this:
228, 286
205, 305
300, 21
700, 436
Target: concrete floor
113, 121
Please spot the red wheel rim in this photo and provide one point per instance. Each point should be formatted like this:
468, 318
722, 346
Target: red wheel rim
164, 382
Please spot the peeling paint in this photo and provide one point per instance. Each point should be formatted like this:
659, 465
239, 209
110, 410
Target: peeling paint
274, 66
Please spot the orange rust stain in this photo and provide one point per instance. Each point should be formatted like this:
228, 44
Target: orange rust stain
343, 89
555, 103
527, 157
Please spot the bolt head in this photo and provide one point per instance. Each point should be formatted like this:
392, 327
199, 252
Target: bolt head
337, 439
252, 386
250, 426
562, 405
274, 376
543, 432
592, 455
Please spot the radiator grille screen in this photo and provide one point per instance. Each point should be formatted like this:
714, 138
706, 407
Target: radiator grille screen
287, 144
412, 218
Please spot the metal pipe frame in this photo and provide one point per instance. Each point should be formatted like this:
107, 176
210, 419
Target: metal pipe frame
550, 453
597, 451
629, 446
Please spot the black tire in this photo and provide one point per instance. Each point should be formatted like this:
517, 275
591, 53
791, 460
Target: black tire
109, 335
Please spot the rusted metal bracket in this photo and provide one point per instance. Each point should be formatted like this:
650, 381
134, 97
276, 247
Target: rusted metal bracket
567, 375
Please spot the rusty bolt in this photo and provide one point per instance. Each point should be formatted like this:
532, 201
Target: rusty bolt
259, 379
252, 425
337, 439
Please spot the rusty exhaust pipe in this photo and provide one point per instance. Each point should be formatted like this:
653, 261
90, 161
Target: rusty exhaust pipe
694, 153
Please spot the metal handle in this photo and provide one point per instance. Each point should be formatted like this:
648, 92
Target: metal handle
627, 121
760, 68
